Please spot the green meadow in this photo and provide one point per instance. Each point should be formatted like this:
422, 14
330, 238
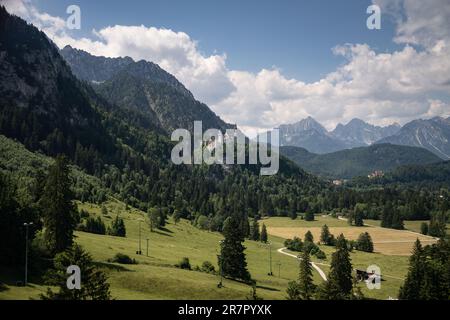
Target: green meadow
156, 276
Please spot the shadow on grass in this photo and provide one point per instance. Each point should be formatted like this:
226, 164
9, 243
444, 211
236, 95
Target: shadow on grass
267, 288
165, 230
163, 233
110, 266
3, 287
250, 284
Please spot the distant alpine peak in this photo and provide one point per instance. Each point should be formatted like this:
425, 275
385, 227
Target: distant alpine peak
306, 124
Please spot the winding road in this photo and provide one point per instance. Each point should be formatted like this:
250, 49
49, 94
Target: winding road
314, 265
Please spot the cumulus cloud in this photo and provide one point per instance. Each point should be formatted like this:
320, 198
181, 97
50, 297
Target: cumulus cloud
419, 22
381, 88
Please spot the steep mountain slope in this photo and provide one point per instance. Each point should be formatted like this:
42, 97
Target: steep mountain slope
90, 68
41, 103
358, 133
309, 134
432, 134
358, 161
143, 86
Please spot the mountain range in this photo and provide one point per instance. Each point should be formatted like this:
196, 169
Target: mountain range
431, 134
118, 112
360, 161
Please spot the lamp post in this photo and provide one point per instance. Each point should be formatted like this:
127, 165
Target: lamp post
26, 250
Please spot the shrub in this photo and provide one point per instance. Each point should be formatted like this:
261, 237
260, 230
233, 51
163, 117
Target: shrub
202, 222
207, 267
309, 215
310, 247
424, 228
320, 255
184, 264
295, 244
123, 259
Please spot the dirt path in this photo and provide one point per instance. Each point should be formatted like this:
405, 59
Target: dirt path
314, 265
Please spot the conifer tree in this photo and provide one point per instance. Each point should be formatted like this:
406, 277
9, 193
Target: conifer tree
415, 277
424, 228
325, 235
387, 215
397, 220
254, 231
308, 237
264, 234
305, 280
93, 281
437, 227
340, 283
118, 227
364, 242
232, 257
57, 207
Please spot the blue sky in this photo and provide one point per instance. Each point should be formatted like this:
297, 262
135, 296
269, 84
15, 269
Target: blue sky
295, 36
260, 64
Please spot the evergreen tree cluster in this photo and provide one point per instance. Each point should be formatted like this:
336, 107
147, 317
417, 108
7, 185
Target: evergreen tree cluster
428, 275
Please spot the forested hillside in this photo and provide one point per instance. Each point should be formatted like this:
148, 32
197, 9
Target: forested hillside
346, 164
120, 145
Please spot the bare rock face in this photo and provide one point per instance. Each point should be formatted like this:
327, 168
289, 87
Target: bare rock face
432, 134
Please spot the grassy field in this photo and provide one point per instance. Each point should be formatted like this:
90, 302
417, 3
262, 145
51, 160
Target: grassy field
386, 241
393, 267
411, 225
156, 277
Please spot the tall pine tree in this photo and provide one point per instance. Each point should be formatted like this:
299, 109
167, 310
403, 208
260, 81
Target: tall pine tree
414, 279
264, 233
254, 231
57, 207
232, 257
340, 283
93, 281
305, 280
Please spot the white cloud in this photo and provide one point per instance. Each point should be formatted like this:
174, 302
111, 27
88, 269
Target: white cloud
378, 87
419, 22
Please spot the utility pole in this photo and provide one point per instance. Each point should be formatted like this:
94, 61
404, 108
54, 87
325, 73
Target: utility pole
279, 269
26, 251
221, 265
270, 258
147, 247
140, 248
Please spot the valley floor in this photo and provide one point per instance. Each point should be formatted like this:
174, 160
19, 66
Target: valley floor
156, 277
